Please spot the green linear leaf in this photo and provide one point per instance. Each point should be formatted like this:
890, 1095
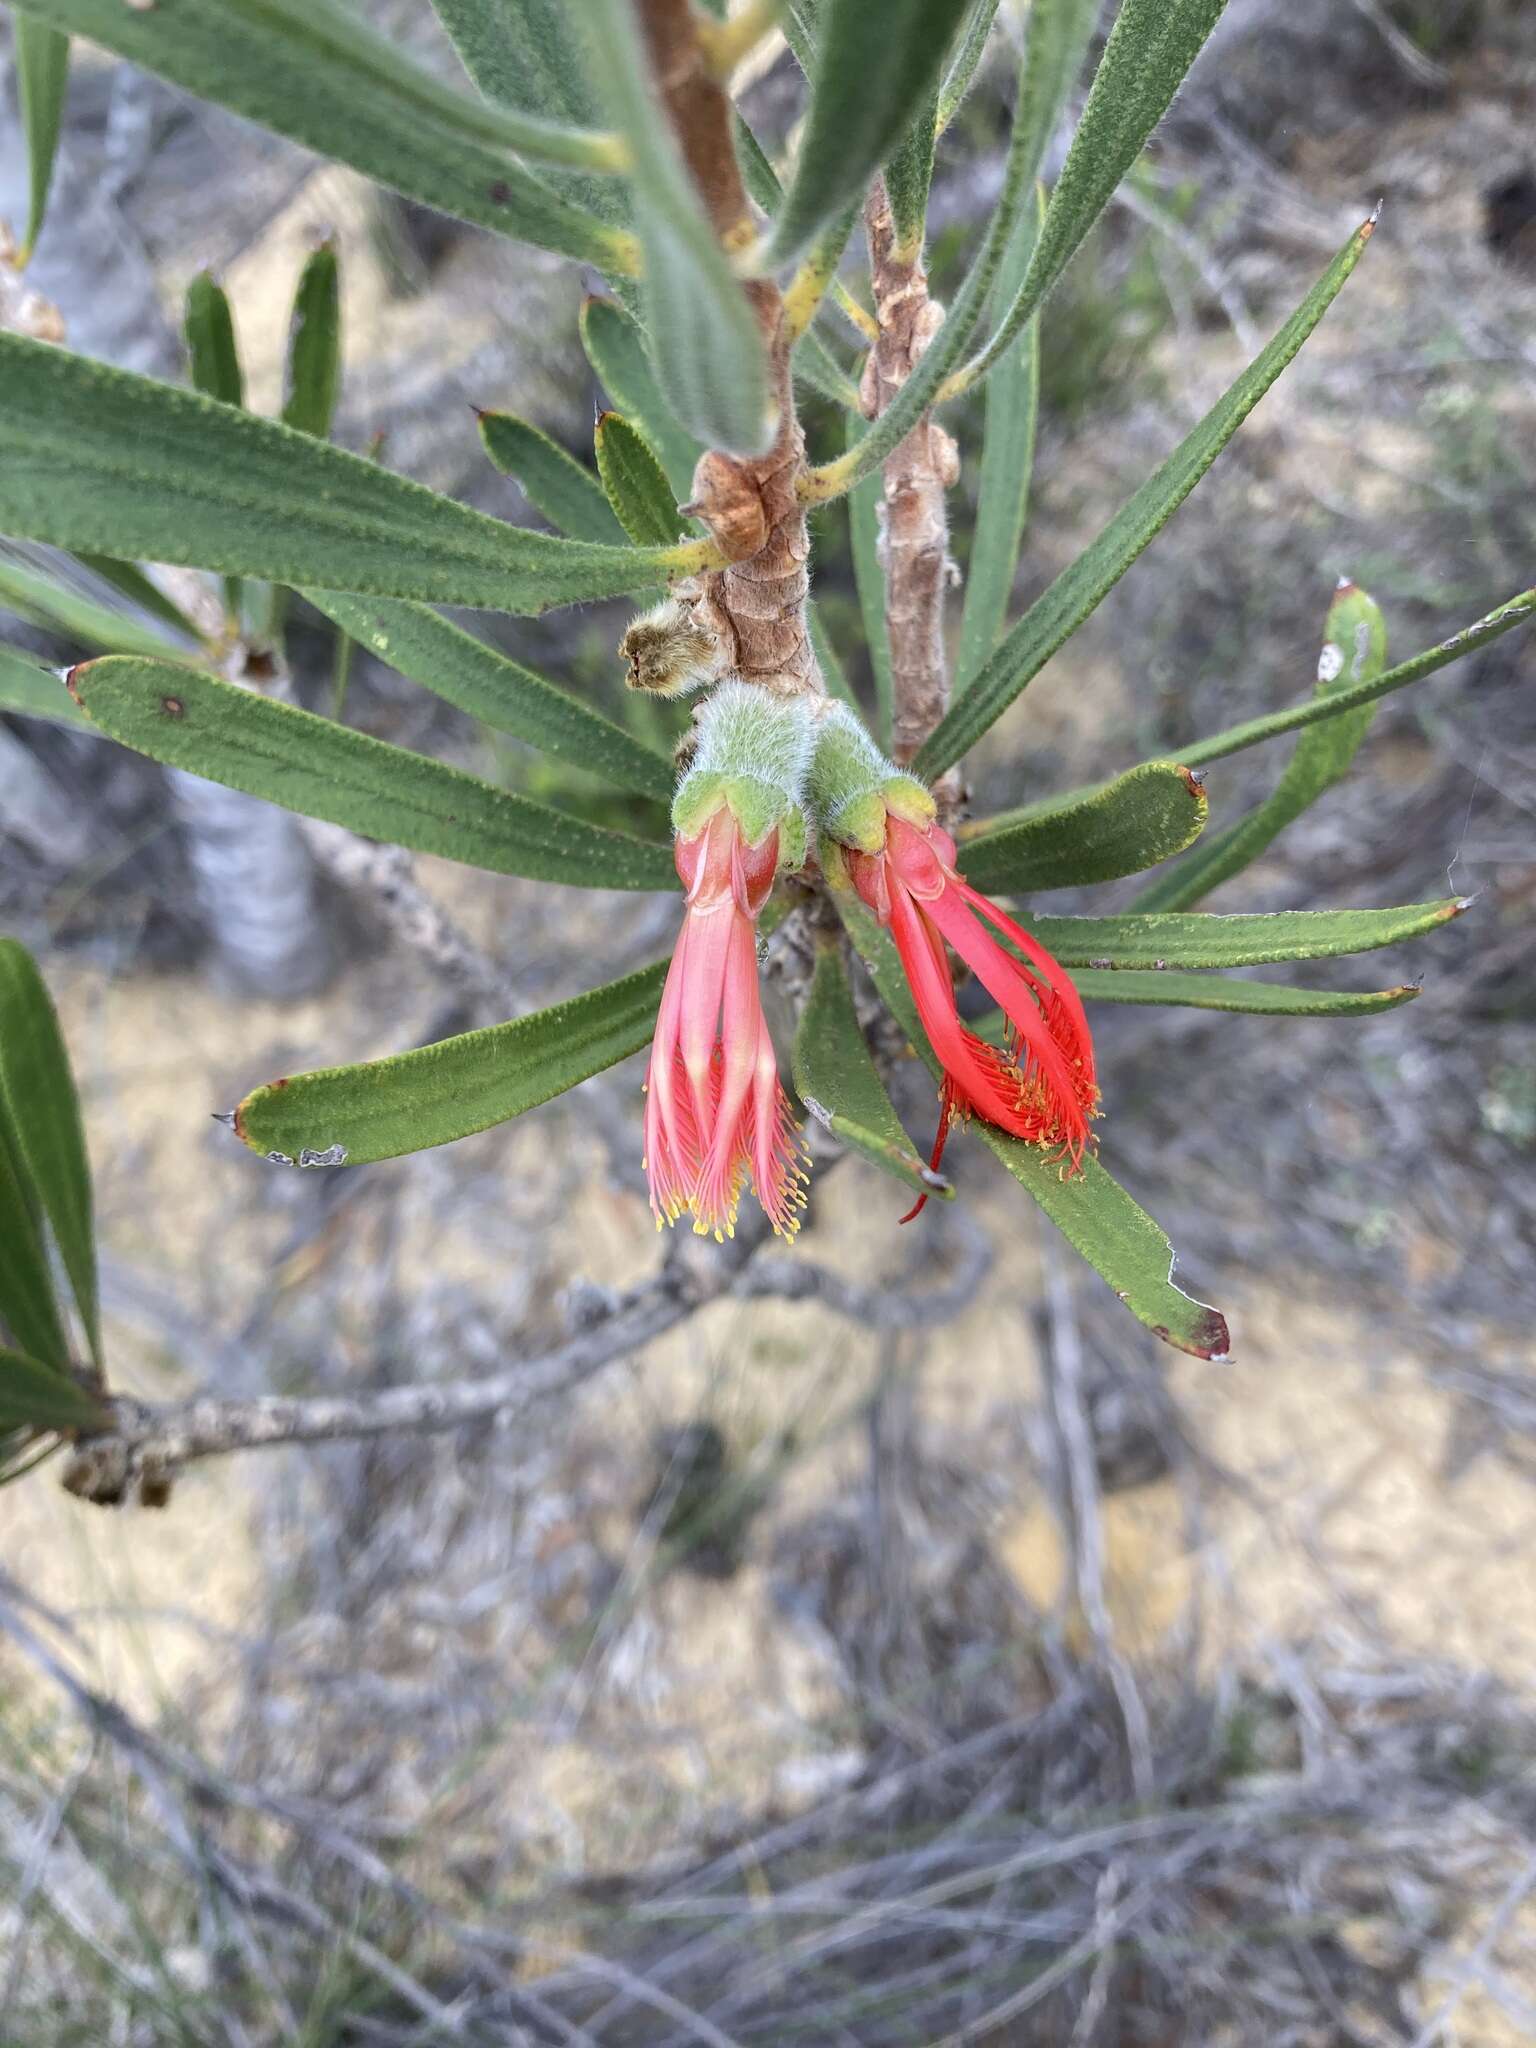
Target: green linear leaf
492, 687
316, 72
866, 507
45, 600
1093, 1212
615, 348
524, 53
969, 50
42, 78
836, 1079
1007, 460
28, 1308
32, 691
1132, 823
38, 1396
290, 757
314, 347
1056, 616
1201, 938
636, 483
925, 385
131, 581
1517, 611
874, 66
437, 1093
909, 173
92, 457
531, 55
1150, 50
38, 1100
707, 347
1220, 992
213, 355
554, 482
1253, 732
1354, 651
1121, 1242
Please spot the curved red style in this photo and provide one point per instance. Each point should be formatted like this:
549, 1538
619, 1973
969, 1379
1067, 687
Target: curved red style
1040, 1087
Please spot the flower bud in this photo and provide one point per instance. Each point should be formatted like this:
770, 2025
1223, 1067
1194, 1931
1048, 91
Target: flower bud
753, 755
852, 784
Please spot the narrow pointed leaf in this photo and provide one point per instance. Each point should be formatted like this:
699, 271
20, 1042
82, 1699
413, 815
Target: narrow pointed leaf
1518, 611
311, 765
92, 457
1058, 33
636, 483
532, 55
836, 1080
492, 687
524, 53
969, 49
908, 174
1200, 938
1121, 1242
1220, 992
42, 78
314, 347
866, 511
1354, 651
1132, 823
46, 600
315, 71
1077, 592
926, 383
615, 348
28, 1308
554, 483
213, 355
437, 1093
874, 67
1150, 50
1007, 460
1339, 703
39, 1104
32, 691
1093, 1212
707, 346
131, 582
38, 1396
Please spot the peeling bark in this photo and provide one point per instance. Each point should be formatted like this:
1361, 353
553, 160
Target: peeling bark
916, 476
756, 604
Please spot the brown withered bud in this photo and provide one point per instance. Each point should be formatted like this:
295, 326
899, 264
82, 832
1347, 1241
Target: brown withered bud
668, 651
729, 502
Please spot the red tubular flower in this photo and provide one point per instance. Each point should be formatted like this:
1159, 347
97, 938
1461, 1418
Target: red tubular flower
1041, 1086
716, 1114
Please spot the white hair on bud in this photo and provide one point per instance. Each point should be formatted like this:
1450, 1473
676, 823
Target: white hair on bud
746, 730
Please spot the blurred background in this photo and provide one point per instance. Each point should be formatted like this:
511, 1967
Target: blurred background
905, 1647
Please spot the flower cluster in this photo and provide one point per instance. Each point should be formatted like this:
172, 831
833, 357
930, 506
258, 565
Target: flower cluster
769, 774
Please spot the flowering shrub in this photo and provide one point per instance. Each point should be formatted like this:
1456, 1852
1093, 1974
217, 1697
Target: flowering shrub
607, 133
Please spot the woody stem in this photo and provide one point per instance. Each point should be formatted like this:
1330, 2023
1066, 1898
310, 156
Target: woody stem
756, 604
916, 477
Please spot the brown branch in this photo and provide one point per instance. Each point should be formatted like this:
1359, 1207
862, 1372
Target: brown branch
755, 606
147, 1443
916, 477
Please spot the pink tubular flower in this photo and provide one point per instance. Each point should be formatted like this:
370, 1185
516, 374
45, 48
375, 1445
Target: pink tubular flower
715, 1113
1040, 1087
